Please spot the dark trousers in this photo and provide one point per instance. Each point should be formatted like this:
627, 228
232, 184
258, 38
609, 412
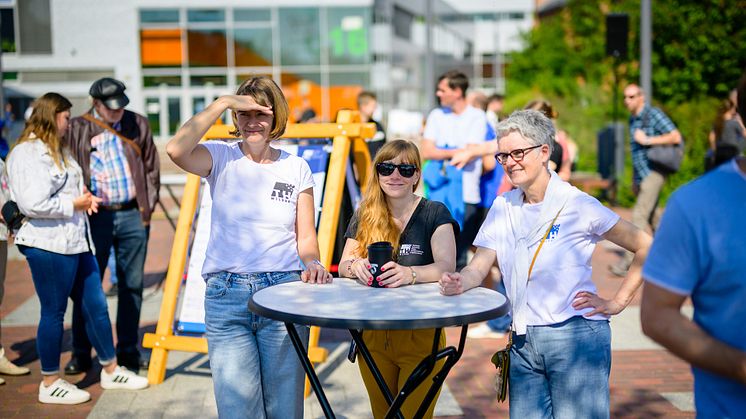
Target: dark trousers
125, 231
473, 217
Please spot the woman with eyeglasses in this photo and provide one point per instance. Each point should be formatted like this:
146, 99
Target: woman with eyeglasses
391, 211
542, 235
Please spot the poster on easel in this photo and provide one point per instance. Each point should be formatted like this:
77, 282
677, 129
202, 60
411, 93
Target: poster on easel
191, 318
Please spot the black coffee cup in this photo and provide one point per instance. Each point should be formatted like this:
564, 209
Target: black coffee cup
379, 253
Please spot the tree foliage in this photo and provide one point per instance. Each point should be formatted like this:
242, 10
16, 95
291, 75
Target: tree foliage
697, 58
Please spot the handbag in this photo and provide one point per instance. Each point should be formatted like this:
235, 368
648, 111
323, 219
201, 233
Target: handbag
666, 158
501, 358
13, 216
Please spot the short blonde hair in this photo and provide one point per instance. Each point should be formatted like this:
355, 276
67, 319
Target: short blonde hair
266, 93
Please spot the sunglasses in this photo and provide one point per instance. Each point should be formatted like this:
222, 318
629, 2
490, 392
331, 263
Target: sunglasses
387, 169
516, 154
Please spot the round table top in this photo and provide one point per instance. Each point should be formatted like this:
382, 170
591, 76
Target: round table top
346, 304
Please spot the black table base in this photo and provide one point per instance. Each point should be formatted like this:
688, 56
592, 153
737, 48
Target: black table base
420, 373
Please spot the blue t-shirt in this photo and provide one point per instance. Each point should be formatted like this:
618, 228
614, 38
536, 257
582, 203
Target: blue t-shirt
699, 251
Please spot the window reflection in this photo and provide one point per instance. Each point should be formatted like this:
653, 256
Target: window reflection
303, 92
174, 114
348, 35
153, 109
159, 16
206, 15
299, 37
253, 47
215, 80
252, 15
344, 88
207, 48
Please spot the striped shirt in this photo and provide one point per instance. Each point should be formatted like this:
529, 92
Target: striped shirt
653, 122
111, 178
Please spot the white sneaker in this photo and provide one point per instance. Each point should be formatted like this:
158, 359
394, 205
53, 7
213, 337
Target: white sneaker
122, 379
9, 368
483, 331
62, 392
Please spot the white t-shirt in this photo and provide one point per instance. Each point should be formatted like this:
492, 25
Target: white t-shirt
451, 130
252, 228
563, 266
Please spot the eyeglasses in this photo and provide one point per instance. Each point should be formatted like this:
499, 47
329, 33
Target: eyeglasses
387, 169
516, 154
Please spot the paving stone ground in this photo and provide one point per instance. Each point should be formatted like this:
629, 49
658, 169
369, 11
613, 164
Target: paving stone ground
646, 381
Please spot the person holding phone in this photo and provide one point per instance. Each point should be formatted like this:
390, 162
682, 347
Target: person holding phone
390, 211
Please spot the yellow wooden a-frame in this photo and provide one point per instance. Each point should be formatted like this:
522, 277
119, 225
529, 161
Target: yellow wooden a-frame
347, 133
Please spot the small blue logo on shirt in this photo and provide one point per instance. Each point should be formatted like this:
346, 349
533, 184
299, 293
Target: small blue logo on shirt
553, 232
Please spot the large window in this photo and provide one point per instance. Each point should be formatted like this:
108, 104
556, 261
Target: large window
299, 36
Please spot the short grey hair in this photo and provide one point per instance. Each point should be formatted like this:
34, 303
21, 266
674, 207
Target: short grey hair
532, 125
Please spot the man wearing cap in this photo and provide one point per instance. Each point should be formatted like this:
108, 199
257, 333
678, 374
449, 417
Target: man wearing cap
115, 149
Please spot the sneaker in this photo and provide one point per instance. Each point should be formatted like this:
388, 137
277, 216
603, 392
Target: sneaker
9, 368
122, 379
62, 392
483, 331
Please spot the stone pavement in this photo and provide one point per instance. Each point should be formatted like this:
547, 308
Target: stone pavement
646, 381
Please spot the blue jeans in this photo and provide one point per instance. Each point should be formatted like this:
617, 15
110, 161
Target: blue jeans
561, 371
126, 232
57, 277
255, 369
500, 324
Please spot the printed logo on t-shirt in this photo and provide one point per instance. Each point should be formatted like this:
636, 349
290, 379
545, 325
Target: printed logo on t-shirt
553, 232
410, 249
282, 192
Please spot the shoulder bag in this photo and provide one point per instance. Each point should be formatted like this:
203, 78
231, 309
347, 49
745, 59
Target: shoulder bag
666, 158
13, 216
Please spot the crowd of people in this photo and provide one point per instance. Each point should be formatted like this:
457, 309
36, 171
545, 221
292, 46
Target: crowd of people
497, 206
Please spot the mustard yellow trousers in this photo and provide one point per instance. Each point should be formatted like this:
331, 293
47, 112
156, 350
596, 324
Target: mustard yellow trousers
397, 353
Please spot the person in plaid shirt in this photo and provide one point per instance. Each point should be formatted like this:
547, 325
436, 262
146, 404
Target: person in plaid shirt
648, 127
115, 149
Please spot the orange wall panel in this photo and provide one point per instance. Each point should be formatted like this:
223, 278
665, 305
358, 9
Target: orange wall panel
160, 47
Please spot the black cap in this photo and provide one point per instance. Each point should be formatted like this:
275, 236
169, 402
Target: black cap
110, 92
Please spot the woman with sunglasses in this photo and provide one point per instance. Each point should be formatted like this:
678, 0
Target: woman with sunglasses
542, 235
390, 211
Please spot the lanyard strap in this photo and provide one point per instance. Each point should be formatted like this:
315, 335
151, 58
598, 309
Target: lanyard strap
544, 237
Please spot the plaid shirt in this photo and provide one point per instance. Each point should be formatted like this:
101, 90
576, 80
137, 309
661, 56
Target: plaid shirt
653, 122
111, 178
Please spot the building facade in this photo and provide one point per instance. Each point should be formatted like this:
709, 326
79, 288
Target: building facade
175, 56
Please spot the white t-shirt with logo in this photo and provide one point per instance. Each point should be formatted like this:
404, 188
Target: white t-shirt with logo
252, 227
451, 130
563, 266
